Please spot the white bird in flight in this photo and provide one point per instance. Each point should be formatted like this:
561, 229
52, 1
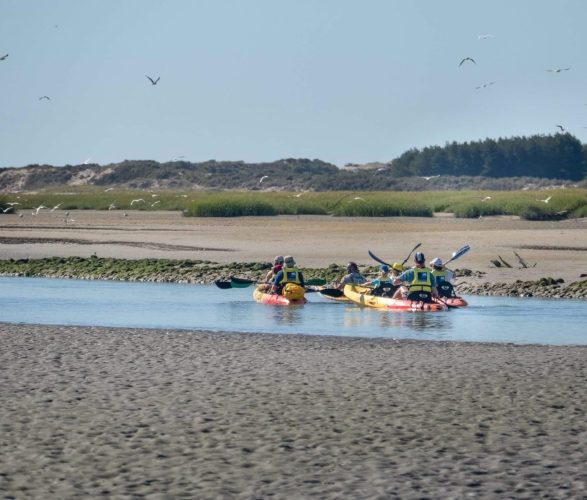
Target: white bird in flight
263, 178
3, 57
153, 82
546, 200
487, 198
86, 162
484, 85
136, 201
557, 70
56, 207
429, 177
46, 97
358, 198
40, 207
153, 204
6, 209
112, 206
485, 37
108, 189
563, 129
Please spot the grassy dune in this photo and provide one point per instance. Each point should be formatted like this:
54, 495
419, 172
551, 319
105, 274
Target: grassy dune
562, 203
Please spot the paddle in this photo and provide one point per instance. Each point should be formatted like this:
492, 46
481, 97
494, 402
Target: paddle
331, 292
244, 282
374, 257
459, 253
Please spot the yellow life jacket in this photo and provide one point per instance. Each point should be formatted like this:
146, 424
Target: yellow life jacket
422, 281
441, 275
290, 275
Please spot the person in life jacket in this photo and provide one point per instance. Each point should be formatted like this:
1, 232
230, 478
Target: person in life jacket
353, 277
421, 283
289, 273
277, 266
382, 284
443, 277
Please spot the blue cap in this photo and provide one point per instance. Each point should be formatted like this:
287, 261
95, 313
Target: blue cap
384, 268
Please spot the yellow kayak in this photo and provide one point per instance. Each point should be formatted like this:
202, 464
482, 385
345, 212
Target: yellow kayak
360, 295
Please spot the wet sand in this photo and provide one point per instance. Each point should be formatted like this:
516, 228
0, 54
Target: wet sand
122, 413
551, 249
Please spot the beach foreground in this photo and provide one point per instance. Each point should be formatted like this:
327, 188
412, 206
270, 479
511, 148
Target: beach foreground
90, 412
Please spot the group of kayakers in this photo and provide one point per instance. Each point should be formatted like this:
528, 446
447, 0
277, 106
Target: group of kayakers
419, 283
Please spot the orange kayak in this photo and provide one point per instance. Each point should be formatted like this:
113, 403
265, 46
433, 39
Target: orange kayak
278, 300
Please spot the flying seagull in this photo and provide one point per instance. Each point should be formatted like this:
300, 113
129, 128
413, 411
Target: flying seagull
44, 97
6, 209
40, 207
557, 70
485, 37
546, 200
467, 59
136, 201
487, 198
56, 207
153, 82
153, 204
429, 177
263, 178
484, 85
563, 129
3, 57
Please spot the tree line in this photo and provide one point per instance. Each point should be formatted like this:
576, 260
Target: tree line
489, 164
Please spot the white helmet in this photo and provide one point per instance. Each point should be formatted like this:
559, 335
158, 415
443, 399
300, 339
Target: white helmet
436, 262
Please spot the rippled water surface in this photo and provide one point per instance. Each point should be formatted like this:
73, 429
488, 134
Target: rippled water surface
199, 307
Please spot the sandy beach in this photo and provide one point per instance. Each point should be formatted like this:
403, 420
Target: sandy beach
119, 413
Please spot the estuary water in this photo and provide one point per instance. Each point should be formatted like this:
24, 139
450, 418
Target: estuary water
206, 307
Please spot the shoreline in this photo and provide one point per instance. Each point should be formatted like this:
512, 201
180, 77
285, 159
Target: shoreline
321, 245
131, 412
543, 288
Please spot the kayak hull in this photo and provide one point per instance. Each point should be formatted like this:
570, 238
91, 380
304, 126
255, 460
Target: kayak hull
454, 301
359, 295
276, 300
336, 299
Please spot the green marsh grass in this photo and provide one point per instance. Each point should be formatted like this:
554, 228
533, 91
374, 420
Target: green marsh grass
464, 204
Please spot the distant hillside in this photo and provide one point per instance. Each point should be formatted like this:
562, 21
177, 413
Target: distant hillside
504, 164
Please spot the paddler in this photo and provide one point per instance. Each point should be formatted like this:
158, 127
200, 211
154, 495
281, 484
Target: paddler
289, 273
421, 283
443, 277
353, 277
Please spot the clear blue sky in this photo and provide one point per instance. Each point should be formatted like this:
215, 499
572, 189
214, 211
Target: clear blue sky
260, 80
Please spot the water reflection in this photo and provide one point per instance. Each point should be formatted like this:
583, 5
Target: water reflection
291, 315
355, 317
